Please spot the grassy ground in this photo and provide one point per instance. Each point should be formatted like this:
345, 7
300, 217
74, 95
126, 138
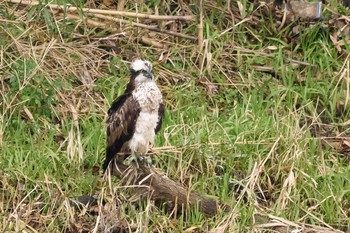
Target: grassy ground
264, 135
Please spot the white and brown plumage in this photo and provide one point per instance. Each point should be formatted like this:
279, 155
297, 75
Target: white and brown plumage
134, 117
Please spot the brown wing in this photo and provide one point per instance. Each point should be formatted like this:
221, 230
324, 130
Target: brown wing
121, 123
160, 118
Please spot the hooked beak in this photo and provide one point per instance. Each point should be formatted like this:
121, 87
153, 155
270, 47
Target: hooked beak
148, 74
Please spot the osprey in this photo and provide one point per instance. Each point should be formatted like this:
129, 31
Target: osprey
134, 117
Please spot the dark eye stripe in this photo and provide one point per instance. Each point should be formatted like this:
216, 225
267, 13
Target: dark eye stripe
139, 72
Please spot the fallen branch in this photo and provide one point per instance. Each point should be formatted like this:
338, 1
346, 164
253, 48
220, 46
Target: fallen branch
71, 9
162, 189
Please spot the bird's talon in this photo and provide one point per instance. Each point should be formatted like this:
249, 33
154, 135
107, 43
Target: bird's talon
145, 161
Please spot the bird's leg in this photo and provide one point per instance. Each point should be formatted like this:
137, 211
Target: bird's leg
139, 160
133, 158
145, 161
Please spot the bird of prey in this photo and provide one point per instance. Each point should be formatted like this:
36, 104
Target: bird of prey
134, 117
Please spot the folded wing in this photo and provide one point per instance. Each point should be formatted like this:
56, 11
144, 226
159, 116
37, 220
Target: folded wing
121, 124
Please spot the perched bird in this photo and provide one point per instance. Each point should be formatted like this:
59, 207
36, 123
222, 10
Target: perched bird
134, 117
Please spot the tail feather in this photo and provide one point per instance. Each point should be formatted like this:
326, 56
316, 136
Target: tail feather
110, 153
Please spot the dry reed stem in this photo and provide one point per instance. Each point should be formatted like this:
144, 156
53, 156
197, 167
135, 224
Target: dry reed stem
70, 8
151, 42
121, 4
90, 22
117, 20
200, 35
344, 70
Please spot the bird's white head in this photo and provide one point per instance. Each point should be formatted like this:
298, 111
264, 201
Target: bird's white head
141, 71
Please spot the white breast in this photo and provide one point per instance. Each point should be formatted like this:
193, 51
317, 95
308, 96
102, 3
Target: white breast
149, 98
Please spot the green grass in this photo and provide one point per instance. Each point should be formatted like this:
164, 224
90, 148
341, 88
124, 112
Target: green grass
250, 143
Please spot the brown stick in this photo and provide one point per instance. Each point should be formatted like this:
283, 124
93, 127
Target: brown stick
70, 8
162, 189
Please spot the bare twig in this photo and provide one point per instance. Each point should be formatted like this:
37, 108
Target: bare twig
293, 61
264, 68
70, 8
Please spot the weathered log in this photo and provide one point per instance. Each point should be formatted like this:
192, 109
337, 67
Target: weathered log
161, 188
